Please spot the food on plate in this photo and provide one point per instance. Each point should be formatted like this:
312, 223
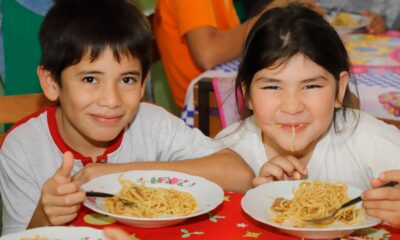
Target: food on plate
138, 200
315, 199
34, 238
344, 19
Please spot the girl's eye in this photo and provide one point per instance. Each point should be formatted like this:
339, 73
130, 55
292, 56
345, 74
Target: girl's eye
89, 79
312, 86
129, 80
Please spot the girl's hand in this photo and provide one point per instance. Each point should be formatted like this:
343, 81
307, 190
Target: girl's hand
281, 168
377, 24
384, 203
61, 198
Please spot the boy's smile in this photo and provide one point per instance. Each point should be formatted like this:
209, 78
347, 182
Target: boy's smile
293, 104
98, 99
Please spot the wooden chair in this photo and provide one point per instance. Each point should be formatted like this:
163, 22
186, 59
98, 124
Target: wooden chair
16, 107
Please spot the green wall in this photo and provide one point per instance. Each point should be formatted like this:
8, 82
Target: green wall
21, 48
162, 92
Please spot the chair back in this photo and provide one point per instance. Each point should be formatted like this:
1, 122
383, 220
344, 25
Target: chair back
16, 107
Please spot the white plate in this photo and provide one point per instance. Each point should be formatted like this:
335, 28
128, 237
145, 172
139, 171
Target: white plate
208, 194
257, 202
361, 21
59, 233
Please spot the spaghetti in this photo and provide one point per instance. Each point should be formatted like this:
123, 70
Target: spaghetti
150, 202
293, 138
343, 19
315, 200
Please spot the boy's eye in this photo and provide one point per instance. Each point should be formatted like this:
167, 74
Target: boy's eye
128, 80
89, 79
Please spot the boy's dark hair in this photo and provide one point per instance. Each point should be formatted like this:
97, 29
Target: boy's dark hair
71, 28
283, 32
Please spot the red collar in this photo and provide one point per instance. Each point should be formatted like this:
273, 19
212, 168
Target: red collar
55, 133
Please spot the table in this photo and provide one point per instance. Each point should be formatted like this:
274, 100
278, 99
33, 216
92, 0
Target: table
375, 62
228, 221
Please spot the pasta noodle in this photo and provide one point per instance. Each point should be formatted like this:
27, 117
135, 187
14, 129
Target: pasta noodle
315, 200
150, 202
343, 19
293, 138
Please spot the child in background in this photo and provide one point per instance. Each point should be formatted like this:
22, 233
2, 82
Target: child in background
294, 78
94, 63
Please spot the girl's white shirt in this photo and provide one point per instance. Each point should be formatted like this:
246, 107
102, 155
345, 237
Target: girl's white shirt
355, 155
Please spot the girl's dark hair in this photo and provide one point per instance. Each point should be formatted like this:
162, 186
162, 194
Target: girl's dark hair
72, 28
281, 33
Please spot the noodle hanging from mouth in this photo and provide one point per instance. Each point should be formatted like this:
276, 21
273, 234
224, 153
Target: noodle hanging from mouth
315, 200
293, 138
150, 202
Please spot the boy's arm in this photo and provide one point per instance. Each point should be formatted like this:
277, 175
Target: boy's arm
226, 168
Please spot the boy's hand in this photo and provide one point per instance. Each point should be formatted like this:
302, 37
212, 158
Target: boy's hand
281, 168
61, 198
384, 203
377, 24
93, 170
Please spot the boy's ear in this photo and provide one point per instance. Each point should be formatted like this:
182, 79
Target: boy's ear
143, 89
342, 87
48, 83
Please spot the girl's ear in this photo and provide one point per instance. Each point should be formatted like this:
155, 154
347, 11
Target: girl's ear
247, 99
342, 87
48, 83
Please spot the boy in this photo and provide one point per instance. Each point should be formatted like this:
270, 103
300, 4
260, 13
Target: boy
95, 58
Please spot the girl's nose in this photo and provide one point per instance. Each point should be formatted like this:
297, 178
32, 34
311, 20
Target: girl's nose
110, 96
292, 103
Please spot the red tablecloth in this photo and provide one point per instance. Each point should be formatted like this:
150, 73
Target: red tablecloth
228, 221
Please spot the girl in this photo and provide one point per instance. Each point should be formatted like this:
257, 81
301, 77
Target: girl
294, 78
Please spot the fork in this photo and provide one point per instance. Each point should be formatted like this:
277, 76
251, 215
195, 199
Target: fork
345, 205
103, 194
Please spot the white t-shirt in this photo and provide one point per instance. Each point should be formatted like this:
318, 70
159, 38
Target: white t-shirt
32, 152
354, 156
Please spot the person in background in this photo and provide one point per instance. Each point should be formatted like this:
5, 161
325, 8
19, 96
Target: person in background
95, 58
195, 35
298, 122
382, 14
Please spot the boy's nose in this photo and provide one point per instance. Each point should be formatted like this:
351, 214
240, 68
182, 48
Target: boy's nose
110, 97
292, 103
